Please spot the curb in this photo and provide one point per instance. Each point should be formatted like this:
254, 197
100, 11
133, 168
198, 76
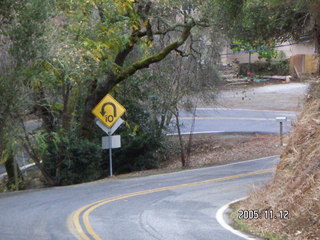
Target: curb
221, 216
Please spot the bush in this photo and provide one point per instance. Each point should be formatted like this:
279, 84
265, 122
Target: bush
83, 164
266, 68
71, 160
141, 140
137, 153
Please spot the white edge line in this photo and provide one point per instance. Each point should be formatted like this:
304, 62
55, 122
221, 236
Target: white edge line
222, 222
217, 166
188, 133
246, 161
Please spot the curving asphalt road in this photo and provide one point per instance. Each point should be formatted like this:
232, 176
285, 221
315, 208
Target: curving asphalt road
176, 206
180, 206
224, 120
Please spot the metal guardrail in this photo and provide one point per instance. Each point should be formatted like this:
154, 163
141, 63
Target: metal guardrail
25, 167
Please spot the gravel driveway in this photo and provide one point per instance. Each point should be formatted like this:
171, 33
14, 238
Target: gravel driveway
281, 97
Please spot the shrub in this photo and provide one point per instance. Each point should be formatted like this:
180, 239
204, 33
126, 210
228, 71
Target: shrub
140, 141
83, 163
72, 160
137, 153
266, 68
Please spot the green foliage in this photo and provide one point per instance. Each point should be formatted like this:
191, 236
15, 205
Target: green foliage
281, 67
83, 163
260, 21
152, 98
102, 27
67, 54
10, 129
11, 186
266, 68
27, 30
266, 52
138, 152
140, 141
69, 159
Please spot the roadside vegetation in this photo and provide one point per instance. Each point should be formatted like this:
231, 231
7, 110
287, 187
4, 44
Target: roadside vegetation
58, 60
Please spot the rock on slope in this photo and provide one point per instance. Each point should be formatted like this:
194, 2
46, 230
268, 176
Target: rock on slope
296, 185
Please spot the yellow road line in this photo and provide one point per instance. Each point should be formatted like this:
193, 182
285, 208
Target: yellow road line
74, 225
244, 109
228, 118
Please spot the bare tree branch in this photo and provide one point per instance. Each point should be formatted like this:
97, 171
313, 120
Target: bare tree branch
159, 56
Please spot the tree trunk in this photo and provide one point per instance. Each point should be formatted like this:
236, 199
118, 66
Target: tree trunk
190, 135
183, 157
316, 33
43, 109
315, 18
9, 163
10, 169
95, 94
30, 151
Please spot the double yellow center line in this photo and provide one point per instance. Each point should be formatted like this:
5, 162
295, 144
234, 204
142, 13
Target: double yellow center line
85, 231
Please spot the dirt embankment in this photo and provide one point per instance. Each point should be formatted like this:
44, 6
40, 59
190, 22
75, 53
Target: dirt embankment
266, 96
296, 186
216, 149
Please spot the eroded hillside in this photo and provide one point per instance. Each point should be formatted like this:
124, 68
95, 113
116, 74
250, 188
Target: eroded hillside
296, 186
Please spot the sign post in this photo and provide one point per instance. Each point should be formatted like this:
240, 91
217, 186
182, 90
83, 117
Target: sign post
110, 154
108, 111
15, 169
281, 120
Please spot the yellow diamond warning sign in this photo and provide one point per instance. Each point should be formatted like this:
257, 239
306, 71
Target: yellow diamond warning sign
108, 110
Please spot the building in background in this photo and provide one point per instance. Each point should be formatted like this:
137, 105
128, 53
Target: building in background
302, 57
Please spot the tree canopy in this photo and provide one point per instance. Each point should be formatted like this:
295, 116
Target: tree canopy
263, 22
66, 55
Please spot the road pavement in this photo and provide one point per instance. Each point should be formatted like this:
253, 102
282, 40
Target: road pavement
224, 120
180, 206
